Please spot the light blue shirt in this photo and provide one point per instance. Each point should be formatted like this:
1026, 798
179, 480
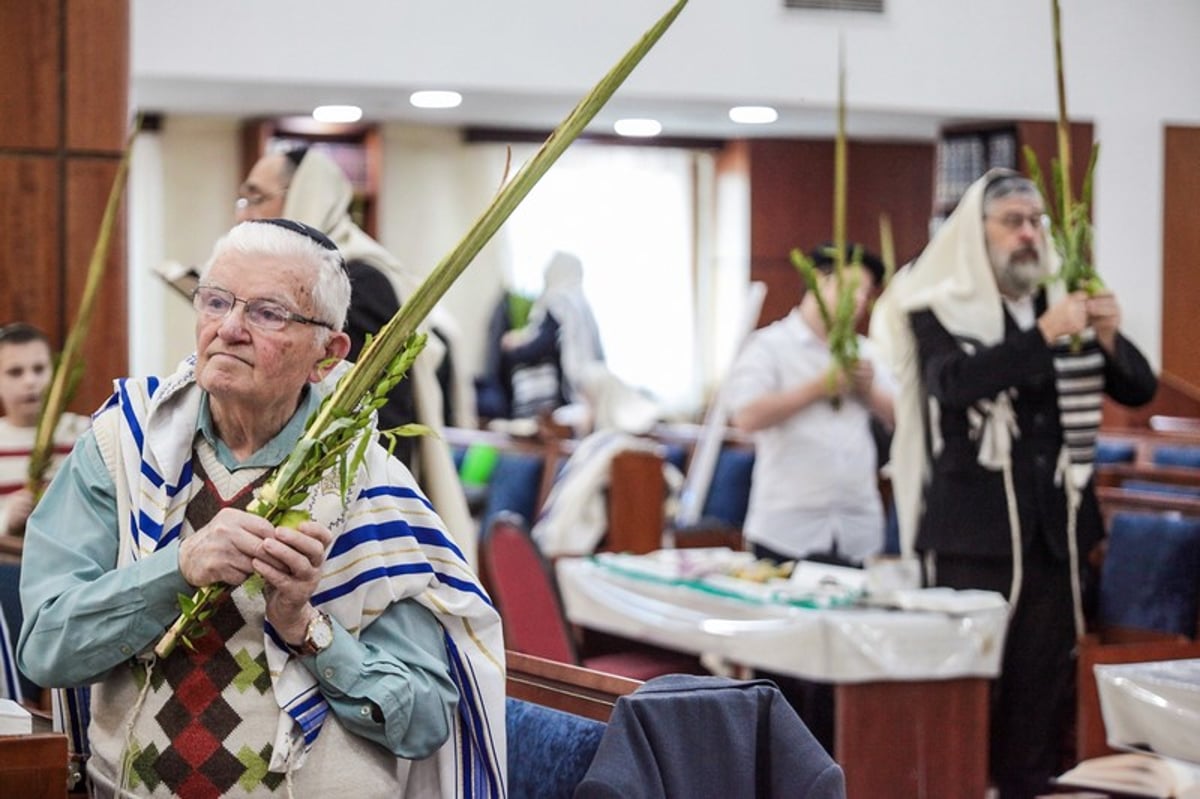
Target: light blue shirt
83, 615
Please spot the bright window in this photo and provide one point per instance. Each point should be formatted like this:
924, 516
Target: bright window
627, 213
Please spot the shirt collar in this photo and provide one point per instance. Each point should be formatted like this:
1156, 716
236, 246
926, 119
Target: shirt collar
274, 451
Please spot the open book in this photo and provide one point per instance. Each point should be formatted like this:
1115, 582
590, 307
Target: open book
180, 277
1136, 774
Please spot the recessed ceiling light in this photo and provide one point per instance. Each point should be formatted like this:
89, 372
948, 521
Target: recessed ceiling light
753, 114
337, 113
638, 127
435, 99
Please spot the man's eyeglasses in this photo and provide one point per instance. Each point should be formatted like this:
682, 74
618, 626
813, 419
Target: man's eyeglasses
250, 201
1014, 222
215, 303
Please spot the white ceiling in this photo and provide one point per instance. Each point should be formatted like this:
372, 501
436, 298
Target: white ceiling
524, 63
520, 110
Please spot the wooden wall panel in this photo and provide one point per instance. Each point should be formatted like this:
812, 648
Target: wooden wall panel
1042, 138
63, 122
1181, 253
791, 205
97, 69
896, 179
29, 249
30, 50
88, 184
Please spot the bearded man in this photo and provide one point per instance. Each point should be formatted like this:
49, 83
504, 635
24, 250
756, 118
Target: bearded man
1001, 375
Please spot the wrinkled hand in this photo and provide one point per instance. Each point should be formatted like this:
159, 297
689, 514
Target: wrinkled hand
1067, 317
20, 505
223, 551
1104, 315
290, 563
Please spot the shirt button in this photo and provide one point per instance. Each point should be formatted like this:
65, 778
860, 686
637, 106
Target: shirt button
126, 649
365, 711
328, 672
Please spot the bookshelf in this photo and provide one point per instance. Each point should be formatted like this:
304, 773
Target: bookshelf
963, 156
965, 152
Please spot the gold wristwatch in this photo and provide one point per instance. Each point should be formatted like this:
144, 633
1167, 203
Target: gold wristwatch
317, 637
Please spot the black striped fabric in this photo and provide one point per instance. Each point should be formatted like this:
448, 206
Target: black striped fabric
1079, 366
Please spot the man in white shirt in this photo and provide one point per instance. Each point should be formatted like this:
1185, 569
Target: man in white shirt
814, 490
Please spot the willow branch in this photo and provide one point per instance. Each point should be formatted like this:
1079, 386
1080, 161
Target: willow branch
839, 172
1063, 127
68, 369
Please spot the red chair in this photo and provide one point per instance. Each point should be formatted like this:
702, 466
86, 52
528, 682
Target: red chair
521, 586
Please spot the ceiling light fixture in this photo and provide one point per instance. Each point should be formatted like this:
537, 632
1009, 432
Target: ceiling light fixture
638, 127
753, 114
435, 99
337, 113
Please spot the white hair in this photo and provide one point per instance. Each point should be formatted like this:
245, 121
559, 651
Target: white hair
330, 290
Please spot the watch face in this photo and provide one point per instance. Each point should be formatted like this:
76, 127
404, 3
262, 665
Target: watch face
320, 632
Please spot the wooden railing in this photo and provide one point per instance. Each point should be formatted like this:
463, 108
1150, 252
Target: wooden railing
565, 687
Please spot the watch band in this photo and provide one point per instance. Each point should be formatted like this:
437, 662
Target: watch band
317, 636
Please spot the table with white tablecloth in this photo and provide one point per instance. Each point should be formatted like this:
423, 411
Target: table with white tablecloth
837, 644
910, 679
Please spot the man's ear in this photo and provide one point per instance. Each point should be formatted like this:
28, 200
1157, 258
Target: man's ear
336, 349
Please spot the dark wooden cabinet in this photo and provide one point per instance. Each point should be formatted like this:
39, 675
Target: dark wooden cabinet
791, 203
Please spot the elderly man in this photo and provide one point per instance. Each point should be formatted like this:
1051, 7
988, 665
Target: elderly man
308, 186
366, 647
1001, 375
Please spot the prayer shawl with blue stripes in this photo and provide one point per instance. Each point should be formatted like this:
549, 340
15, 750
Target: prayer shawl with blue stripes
389, 546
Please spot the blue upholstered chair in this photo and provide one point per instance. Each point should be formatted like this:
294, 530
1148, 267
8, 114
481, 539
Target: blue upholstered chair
729, 490
1115, 452
1156, 487
1150, 579
676, 455
1181, 455
10, 602
549, 751
514, 487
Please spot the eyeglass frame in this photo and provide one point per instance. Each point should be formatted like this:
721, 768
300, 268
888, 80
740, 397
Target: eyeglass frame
1015, 221
288, 314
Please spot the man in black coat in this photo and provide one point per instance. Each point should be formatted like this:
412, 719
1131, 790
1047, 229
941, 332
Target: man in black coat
1002, 375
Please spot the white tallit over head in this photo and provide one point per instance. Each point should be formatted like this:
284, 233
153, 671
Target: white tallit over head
578, 334
952, 277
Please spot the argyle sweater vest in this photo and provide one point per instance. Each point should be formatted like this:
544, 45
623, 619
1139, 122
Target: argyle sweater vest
206, 724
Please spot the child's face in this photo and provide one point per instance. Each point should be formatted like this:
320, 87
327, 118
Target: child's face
24, 375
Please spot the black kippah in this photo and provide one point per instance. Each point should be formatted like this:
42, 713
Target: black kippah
309, 232
823, 257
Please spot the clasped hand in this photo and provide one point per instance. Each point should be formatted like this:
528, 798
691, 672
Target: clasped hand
1076, 311
856, 380
235, 545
